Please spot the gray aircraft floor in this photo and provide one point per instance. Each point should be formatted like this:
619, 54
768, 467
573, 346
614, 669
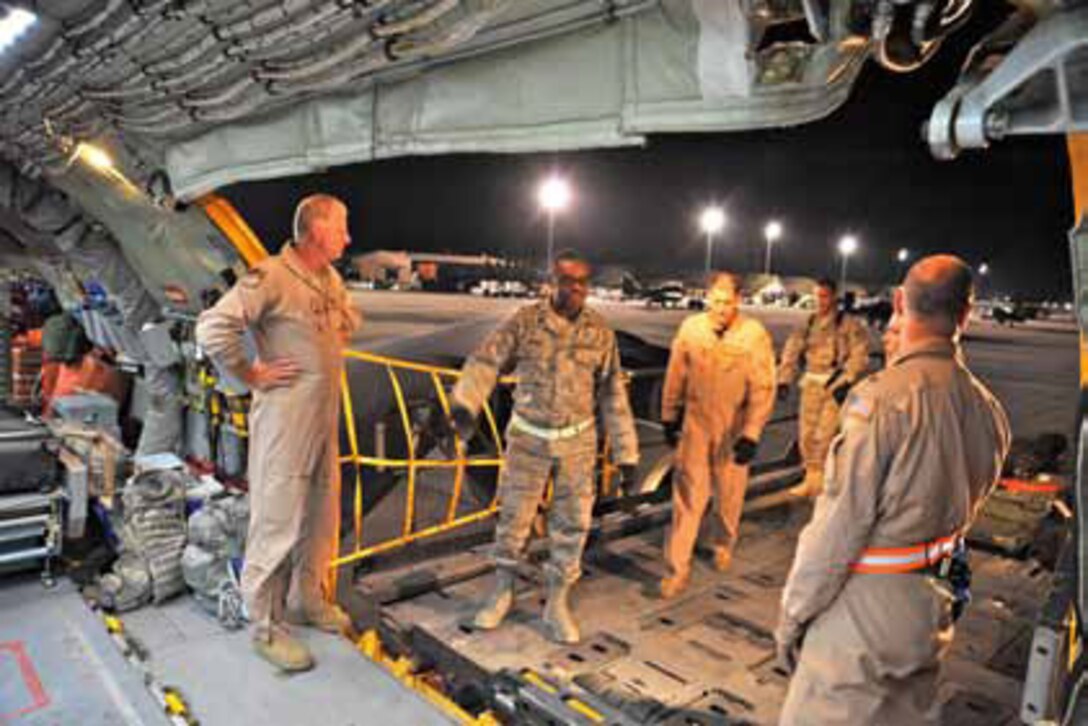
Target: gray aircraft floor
58, 665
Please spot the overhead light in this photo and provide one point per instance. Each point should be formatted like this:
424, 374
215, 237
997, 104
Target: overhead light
14, 24
94, 157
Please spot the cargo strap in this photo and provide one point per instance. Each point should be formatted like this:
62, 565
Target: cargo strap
892, 560
551, 434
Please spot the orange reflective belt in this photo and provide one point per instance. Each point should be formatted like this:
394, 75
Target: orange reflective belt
1035, 486
891, 560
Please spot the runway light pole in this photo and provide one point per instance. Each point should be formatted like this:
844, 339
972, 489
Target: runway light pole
902, 257
983, 273
772, 232
848, 245
554, 196
712, 221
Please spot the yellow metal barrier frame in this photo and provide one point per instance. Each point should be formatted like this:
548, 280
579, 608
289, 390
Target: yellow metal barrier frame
412, 464
460, 463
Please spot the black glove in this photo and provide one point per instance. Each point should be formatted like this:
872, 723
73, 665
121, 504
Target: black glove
783, 391
744, 450
840, 394
629, 479
463, 422
672, 432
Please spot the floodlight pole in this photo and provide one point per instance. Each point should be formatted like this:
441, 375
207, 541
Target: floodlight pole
551, 239
709, 252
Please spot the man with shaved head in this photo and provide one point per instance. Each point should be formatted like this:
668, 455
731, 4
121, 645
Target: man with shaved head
296, 307
879, 574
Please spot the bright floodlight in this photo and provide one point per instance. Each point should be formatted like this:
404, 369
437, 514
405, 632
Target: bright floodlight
712, 220
95, 157
772, 231
903, 254
14, 24
554, 194
848, 245
984, 269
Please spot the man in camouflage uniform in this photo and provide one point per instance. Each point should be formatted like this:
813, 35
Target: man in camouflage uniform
567, 366
297, 309
833, 349
867, 610
718, 395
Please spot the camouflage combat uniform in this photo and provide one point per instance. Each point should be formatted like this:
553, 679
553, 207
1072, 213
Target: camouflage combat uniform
565, 370
834, 345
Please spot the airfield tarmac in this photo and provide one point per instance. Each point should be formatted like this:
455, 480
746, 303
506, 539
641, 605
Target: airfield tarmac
1032, 368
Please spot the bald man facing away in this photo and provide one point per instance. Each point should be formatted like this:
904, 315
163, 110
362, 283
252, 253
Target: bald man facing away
868, 609
296, 306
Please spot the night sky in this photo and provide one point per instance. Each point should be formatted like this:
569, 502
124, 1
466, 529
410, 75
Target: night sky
864, 170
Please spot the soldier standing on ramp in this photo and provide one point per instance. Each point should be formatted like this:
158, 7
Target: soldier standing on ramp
297, 309
567, 364
718, 395
881, 571
833, 349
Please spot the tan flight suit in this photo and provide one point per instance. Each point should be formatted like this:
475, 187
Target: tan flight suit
822, 345
724, 386
565, 370
922, 445
294, 472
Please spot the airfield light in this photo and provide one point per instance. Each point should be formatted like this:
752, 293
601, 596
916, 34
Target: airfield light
16, 22
848, 245
554, 196
711, 221
904, 255
772, 232
984, 269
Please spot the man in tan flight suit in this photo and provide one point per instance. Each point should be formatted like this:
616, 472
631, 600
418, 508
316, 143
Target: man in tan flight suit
867, 611
298, 311
833, 349
567, 365
718, 394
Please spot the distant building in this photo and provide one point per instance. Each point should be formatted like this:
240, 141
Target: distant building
427, 270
